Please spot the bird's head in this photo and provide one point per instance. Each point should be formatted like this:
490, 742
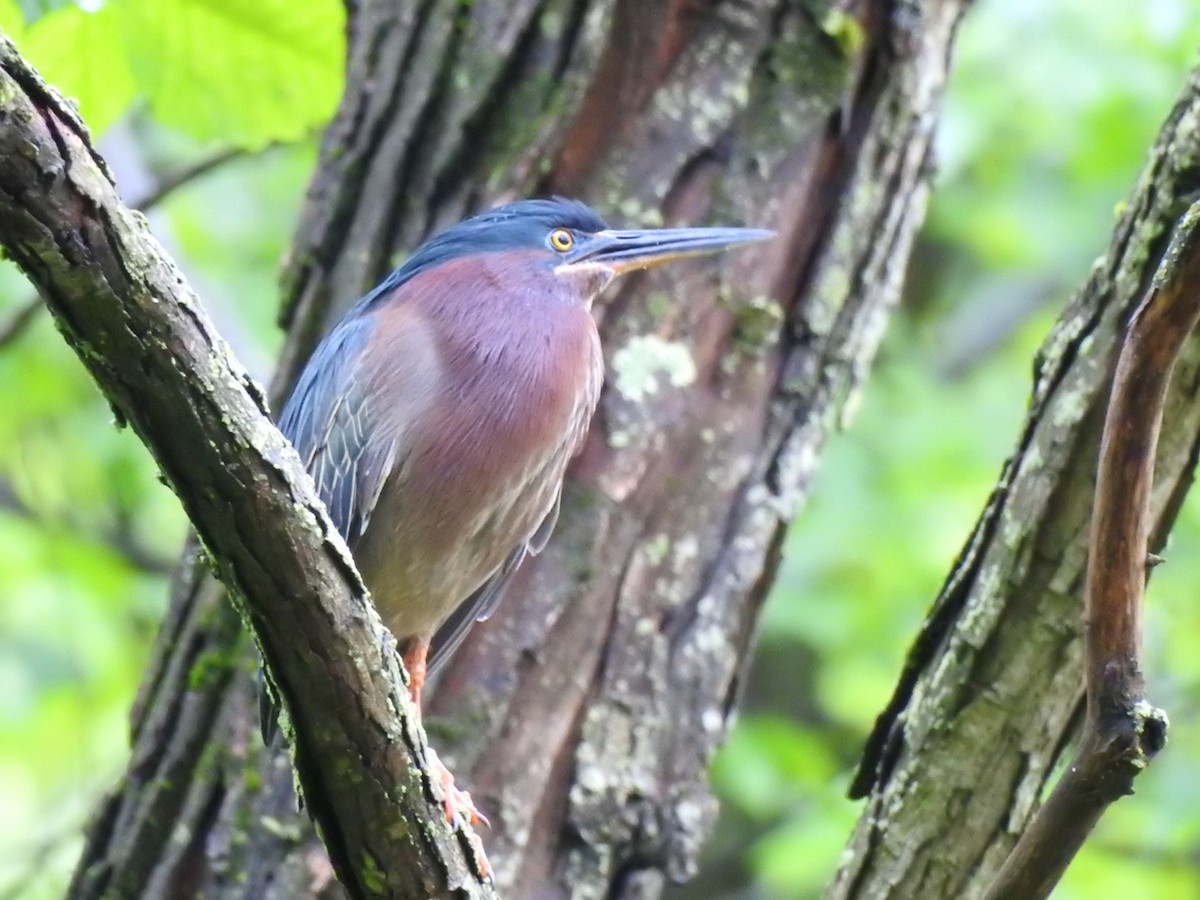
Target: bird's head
571, 242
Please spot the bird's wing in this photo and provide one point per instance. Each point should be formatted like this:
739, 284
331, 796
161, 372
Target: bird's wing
327, 419
482, 603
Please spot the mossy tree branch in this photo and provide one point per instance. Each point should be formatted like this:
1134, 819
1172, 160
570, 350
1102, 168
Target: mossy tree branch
992, 692
1122, 732
127, 312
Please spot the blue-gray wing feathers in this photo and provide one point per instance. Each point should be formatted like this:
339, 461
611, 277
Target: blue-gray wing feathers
327, 419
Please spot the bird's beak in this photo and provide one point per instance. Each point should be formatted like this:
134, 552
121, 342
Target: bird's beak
625, 251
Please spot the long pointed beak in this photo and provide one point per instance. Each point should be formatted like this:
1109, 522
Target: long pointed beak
625, 251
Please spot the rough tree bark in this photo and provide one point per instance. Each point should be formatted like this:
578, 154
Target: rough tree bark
991, 694
583, 715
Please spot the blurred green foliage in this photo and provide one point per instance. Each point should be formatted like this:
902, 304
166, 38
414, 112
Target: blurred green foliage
1052, 107
242, 73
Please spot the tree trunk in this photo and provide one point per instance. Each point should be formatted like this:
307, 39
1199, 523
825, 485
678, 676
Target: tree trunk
582, 716
992, 689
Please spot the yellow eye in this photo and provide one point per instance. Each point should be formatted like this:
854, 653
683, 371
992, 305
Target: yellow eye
562, 240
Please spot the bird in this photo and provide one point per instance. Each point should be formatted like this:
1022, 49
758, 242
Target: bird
438, 415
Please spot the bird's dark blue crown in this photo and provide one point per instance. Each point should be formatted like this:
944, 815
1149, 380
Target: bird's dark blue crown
513, 226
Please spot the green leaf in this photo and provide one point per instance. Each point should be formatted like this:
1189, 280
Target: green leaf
245, 73
79, 53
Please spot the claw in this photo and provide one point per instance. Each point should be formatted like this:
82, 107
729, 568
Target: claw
458, 803
455, 801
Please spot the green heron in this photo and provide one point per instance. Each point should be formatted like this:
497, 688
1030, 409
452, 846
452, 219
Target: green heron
439, 414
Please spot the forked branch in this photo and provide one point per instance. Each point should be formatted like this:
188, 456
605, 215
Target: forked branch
1122, 732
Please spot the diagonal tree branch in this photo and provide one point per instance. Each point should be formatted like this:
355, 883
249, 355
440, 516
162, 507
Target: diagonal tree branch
1122, 732
117, 537
992, 690
141, 332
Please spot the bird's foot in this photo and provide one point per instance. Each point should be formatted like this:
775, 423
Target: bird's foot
455, 802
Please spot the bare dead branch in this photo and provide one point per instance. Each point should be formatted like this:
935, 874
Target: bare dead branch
170, 182
129, 314
18, 323
119, 536
1122, 732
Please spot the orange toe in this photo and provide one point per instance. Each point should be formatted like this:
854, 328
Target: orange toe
455, 801
458, 803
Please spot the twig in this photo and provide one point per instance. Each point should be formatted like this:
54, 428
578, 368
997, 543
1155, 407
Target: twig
20, 320
119, 537
173, 181
37, 859
1122, 732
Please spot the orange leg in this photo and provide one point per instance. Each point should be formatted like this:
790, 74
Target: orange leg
415, 655
457, 802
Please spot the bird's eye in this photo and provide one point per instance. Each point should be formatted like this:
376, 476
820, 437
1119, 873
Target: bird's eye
562, 240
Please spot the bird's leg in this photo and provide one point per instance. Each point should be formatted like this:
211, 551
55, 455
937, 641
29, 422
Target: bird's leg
415, 656
456, 802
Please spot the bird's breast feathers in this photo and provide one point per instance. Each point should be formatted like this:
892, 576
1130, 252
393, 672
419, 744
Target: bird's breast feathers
479, 461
